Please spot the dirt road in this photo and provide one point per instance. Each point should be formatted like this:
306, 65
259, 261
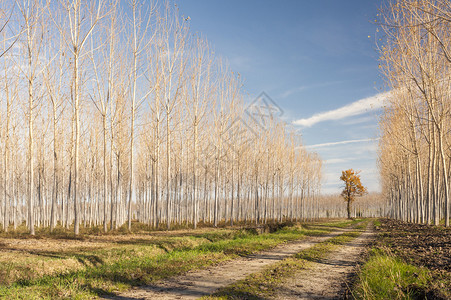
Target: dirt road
326, 279
204, 282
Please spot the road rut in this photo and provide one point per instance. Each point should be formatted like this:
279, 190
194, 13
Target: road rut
200, 283
327, 278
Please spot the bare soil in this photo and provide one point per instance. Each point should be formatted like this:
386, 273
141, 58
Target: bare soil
421, 245
205, 282
328, 277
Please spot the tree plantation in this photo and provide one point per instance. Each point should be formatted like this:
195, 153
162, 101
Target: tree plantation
415, 147
136, 164
113, 111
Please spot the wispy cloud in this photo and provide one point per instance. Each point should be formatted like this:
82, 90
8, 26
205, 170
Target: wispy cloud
354, 121
305, 87
340, 143
335, 161
292, 91
356, 108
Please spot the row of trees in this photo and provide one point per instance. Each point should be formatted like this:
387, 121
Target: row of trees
415, 146
371, 205
112, 111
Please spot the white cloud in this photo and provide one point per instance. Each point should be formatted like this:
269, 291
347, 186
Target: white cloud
292, 91
360, 120
356, 108
305, 87
335, 161
340, 143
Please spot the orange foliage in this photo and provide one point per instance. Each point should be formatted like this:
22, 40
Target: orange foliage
353, 187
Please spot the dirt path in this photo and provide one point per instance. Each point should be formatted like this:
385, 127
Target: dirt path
204, 282
326, 279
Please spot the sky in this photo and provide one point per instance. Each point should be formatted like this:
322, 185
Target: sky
317, 60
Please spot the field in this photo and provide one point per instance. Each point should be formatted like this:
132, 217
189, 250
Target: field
59, 267
407, 261
361, 259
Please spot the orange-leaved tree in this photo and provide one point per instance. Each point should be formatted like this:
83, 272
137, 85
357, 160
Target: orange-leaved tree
352, 187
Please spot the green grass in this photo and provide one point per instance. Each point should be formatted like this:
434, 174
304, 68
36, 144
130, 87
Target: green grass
385, 276
442, 221
341, 224
144, 262
377, 223
264, 285
136, 261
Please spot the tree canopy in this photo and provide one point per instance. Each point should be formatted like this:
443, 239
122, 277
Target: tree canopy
352, 187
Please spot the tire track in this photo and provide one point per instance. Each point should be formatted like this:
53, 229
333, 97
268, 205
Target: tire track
204, 282
326, 279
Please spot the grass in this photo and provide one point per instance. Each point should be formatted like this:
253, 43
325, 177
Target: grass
377, 223
442, 221
130, 262
264, 285
384, 276
341, 224
404, 263
63, 232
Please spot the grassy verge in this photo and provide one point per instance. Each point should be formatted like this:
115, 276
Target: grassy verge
407, 261
141, 262
264, 285
385, 276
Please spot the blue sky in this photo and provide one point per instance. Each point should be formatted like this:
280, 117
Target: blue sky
317, 60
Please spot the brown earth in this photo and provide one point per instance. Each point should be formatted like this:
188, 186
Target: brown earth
421, 245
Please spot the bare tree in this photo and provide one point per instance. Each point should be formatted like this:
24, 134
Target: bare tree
157, 128
31, 14
76, 38
415, 61
140, 39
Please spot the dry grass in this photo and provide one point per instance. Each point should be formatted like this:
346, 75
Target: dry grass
30, 258
53, 266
